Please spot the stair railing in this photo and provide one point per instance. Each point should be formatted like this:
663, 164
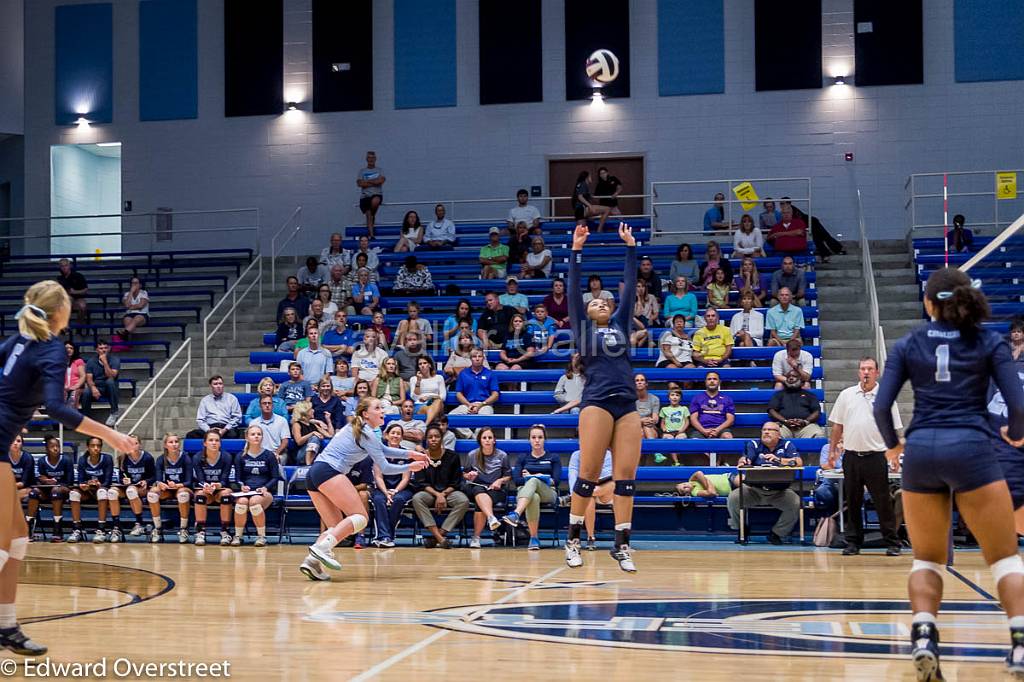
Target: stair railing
235, 298
868, 271
156, 397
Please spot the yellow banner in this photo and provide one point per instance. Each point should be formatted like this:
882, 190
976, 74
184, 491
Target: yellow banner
1006, 185
746, 194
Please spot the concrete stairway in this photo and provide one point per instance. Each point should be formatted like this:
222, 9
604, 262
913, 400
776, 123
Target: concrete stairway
845, 321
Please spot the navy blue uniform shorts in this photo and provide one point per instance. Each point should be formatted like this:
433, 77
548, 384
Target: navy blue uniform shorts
617, 406
949, 460
318, 474
1012, 462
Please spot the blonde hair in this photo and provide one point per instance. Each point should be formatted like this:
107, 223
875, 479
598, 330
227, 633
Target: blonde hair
171, 434
42, 300
300, 410
263, 382
357, 420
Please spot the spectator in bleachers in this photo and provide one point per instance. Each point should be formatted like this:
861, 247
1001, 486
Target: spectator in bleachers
712, 412
412, 324
791, 277
257, 471
368, 358
476, 389
603, 492
712, 343
293, 299
303, 342
274, 427
371, 191
265, 387
439, 233
513, 298
414, 279
316, 361
217, 410
718, 290
342, 382
388, 386
825, 244
341, 289
492, 327
486, 471
714, 217
674, 418
795, 409
714, 259
308, 432
311, 276
519, 244
463, 313
339, 340
136, 303
770, 217
681, 302
493, 256
675, 348
538, 261
326, 298
748, 240
1017, 338
793, 358
649, 276
707, 485
772, 451
372, 257
683, 265
410, 235
784, 320
427, 389
295, 389
608, 189
448, 436
379, 325
74, 375
789, 235
95, 476
537, 474
413, 430
826, 490
389, 495
569, 389
523, 212
101, 380
56, 479
353, 275
557, 304
318, 314
542, 329
747, 326
519, 350
750, 278
361, 390
173, 482
645, 313
961, 240
78, 289
648, 406
408, 355
289, 329
437, 491
584, 206
334, 256
327, 407
595, 289
459, 359
365, 294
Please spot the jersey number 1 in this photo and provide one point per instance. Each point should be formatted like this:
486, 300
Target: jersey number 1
942, 363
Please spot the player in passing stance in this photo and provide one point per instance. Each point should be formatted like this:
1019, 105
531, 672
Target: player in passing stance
333, 493
34, 363
949, 362
608, 416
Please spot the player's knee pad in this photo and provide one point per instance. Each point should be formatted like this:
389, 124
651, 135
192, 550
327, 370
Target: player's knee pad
58, 494
183, 496
227, 501
75, 496
625, 488
1011, 565
18, 548
937, 569
33, 494
102, 494
255, 509
132, 493
153, 497
358, 522
241, 508
584, 488
201, 500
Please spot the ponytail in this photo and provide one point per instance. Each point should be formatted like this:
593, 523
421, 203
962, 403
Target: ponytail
957, 299
42, 301
358, 421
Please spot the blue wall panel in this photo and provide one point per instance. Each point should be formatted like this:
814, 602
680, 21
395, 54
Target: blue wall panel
989, 39
168, 60
84, 78
691, 47
425, 59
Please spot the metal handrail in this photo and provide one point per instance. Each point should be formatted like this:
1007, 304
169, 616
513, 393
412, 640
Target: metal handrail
728, 184
235, 300
186, 346
295, 217
910, 205
868, 272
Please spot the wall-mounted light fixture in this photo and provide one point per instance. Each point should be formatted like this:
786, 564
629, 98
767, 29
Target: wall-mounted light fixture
82, 121
597, 95
292, 106
839, 80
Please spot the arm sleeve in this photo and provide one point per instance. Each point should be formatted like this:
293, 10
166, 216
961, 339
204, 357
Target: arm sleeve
892, 380
624, 313
149, 476
574, 294
274, 474
187, 471
1004, 371
108, 472
556, 470
52, 369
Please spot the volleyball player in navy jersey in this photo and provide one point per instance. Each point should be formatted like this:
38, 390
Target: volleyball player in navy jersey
1010, 458
138, 474
95, 479
948, 453
55, 480
211, 481
173, 481
608, 416
23, 468
257, 471
34, 363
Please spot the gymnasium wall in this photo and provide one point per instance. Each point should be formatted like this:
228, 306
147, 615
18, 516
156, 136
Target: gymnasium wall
277, 162
12, 63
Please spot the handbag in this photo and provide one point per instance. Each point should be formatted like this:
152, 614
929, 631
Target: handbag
826, 531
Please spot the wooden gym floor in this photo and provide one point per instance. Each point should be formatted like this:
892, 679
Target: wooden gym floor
496, 614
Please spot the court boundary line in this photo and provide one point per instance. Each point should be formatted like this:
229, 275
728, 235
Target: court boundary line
971, 584
370, 673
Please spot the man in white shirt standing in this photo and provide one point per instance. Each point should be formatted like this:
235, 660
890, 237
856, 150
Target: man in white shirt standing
864, 463
439, 234
523, 212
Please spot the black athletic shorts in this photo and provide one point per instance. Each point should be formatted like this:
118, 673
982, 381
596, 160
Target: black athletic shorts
617, 406
364, 202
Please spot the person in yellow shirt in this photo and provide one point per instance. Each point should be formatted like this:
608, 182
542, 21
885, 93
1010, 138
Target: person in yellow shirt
712, 344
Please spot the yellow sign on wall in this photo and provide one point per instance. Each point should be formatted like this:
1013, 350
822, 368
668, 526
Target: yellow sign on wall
1006, 185
746, 194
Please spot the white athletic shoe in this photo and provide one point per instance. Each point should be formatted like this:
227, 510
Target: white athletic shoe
325, 556
200, 539
493, 523
137, 531
572, 554
183, 537
156, 536
261, 541
99, 538
625, 558
474, 543
312, 569
225, 538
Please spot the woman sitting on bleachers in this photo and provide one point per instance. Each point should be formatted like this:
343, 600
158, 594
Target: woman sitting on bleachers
718, 290
557, 304
459, 358
411, 234
537, 473
211, 485
324, 295
414, 279
265, 387
427, 389
645, 313
388, 387
463, 313
413, 322
750, 278
595, 289
362, 390
384, 333
136, 303
747, 326
748, 240
369, 357
714, 260
538, 261
569, 389
74, 376
289, 330
365, 294
684, 265
257, 472
681, 302
518, 351
327, 407
173, 482
485, 471
1017, 338
308, 434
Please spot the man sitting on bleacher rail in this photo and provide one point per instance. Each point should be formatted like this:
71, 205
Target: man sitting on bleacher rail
523, 212
437, 491
792, 359
784, 320
796, 409
769, 451
77, 287
712, 412
476, 389
218, 410
707, 485
101, 380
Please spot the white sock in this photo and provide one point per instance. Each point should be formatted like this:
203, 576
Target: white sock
1017, 622
58, 519
184, 523
7, 617
239, 531
924, 617
328, 541
157, 523
261, 531
623, 526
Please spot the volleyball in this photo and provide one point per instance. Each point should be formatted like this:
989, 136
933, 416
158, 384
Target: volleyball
602, 66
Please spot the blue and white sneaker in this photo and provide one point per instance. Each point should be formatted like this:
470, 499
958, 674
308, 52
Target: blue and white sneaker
1015, 659
534, 545
511, 519
924, 638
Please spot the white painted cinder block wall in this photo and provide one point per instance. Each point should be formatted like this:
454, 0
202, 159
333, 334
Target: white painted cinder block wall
278, 163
